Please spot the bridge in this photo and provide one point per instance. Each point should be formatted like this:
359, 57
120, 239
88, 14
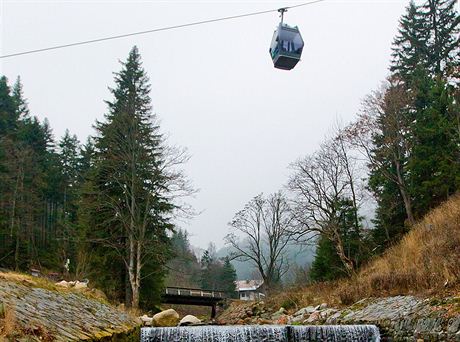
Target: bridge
187, 296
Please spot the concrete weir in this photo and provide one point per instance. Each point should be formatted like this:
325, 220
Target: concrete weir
263, 333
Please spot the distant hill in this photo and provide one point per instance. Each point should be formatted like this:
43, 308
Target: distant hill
300, 256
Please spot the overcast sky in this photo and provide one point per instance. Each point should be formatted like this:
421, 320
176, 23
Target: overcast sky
213, 86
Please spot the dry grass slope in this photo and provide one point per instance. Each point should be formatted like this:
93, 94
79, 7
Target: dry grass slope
28, 280
425, 262
7, 322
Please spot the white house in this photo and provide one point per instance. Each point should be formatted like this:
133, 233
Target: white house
250, 289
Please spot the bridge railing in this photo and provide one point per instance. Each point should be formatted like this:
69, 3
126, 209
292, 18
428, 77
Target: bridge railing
181, 291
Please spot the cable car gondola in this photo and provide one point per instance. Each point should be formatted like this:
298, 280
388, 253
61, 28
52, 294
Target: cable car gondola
287, 45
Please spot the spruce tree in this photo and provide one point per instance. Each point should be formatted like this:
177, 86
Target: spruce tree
22, 108
434, 166
443, 47
129, 187
424, 159
208, 279
388, 176
228, 278
25, 183
327, 265
8, 111
428, 39
390, 221
86, 159
69, 158
410, 49
184, 267
69, 163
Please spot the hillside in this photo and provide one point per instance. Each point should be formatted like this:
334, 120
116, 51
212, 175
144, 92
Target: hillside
426, 262
36, 309
411, 292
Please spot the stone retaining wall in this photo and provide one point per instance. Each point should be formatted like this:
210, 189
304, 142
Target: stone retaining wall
400, 318
66, 316
407, 318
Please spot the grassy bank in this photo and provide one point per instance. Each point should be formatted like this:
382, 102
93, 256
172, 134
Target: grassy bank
44, 283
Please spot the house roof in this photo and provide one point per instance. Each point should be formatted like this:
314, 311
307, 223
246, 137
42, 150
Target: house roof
248, 285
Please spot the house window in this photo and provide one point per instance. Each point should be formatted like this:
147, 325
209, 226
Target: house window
243, 294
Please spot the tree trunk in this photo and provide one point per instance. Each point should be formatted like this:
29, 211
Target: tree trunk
437, 48
404, 194
137, 283
347, 263
18, 223
131, 269
134, 260
135, 300
16, 252
351, 181
127, 285
13, 206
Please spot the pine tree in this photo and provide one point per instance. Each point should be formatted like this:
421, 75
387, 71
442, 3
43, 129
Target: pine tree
25, 183
388, 178
434, 166
390, 214
428, 39
410, 50
86, 160
184, 267
434, 157
129, 188
8, 116
443, 46
419, 168
22, 108
217, 274
69, 158
208, 279
228, 278
327, 264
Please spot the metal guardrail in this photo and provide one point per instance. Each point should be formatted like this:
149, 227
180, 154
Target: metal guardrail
180, 291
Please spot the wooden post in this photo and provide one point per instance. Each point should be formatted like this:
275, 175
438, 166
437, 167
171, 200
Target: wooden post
213, 311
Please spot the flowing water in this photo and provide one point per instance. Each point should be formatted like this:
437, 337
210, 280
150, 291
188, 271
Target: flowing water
263, 333
358, 333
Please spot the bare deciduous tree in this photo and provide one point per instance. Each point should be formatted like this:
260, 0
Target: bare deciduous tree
261, 233
385, 116
321, 182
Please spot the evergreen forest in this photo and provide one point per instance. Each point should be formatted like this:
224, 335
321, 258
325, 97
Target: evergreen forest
101, 210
